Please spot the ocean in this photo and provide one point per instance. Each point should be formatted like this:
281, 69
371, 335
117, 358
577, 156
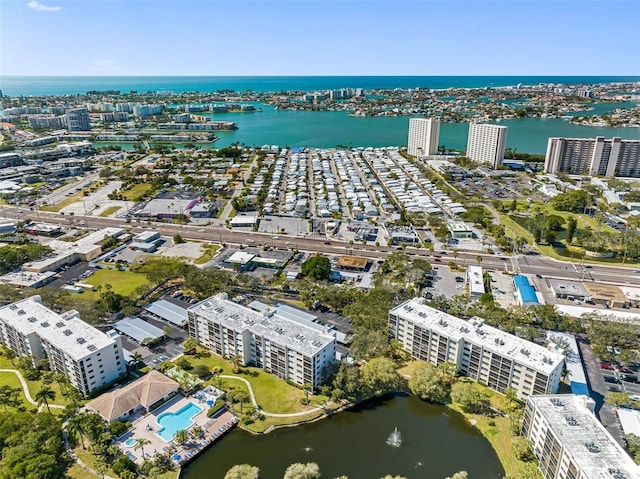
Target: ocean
60, 85
332, 128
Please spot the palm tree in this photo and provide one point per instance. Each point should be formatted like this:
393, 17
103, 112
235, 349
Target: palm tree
196, 431
182, 436
136, 359
236, 361
8, 396
75, 427
306, 387
62, 380
45, 395
140, 443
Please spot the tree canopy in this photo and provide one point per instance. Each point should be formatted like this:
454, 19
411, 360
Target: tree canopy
317, 267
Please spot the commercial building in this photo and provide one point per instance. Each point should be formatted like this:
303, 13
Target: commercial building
486, 143
475, 281
593, 156
459, 230
569, 441
481, 352
78, 119
288, 346
65, 252
525, 293
424, 134
89, 358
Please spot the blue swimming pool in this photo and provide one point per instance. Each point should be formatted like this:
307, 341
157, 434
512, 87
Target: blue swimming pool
172, 422
130, 442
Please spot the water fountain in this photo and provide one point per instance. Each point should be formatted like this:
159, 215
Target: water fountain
394, 438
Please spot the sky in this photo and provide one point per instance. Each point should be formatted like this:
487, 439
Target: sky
322, 37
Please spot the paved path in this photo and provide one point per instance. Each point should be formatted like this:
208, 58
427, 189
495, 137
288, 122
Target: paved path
273, 414
27, 394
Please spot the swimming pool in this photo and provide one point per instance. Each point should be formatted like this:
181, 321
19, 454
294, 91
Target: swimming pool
130, 442
172, 422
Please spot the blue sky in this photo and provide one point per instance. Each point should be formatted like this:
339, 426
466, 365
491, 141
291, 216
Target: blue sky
330, 37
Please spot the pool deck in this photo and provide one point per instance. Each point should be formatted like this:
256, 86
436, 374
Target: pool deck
147, 425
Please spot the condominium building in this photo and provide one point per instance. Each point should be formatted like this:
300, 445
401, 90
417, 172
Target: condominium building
89, 358
481, 352
424, 134
486, 143
593, 156
291, 347
570, 443
78, 119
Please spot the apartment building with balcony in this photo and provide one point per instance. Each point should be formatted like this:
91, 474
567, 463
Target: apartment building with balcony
570, 442
483, 353
89, 358
292, 348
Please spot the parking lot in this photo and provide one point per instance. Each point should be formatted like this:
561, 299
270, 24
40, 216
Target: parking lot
599, 388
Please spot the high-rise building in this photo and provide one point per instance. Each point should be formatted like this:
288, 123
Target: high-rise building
89, 358
78, 119
486, 143
571, 443
289, 347
424, 134
481, 352
593, 156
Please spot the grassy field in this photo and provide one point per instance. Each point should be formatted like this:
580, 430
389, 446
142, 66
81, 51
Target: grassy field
136, 192
122, 282
571, 253
109, 211
210, 251
272, 394
64, 203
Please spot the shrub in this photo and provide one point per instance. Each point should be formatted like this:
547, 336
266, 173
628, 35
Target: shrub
219, 404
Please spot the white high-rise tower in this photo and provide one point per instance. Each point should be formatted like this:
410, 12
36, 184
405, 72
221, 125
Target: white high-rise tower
486, 143
423, 136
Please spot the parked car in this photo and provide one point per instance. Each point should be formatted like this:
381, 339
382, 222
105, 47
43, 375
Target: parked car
607, 366
630, 378
611, 379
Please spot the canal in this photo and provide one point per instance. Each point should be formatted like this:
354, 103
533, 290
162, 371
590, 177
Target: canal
435, 443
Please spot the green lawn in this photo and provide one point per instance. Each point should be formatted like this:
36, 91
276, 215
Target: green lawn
109, 211
572, 253
210, 251
272, 394
136, 192
122, 282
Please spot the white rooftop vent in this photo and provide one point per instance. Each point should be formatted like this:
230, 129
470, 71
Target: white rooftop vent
13, 307
67, 332
59, 324
32, 319
571, 421
526, 352
81, 340
44, 324
92, 347
21, 312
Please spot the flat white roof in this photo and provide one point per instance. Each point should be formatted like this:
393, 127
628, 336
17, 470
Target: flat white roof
630, 420
295, 334
458, 227
65, 331
584, 438
240, 257
475, 331
25, 278
476, 281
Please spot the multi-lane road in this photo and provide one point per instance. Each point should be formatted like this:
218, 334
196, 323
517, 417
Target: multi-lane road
527, 264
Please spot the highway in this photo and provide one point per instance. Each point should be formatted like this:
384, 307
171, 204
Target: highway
528, 264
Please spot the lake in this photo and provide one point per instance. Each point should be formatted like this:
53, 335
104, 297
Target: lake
436, 442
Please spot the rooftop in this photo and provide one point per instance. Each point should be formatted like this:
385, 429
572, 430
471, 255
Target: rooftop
276, 325
475, 331
65, 331
145, 391
568, 287
358, 262
584, 438
606, 291
168, 311
476, 281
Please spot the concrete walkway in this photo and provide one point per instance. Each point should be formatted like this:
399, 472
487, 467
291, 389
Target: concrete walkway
25, 388
273, 414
